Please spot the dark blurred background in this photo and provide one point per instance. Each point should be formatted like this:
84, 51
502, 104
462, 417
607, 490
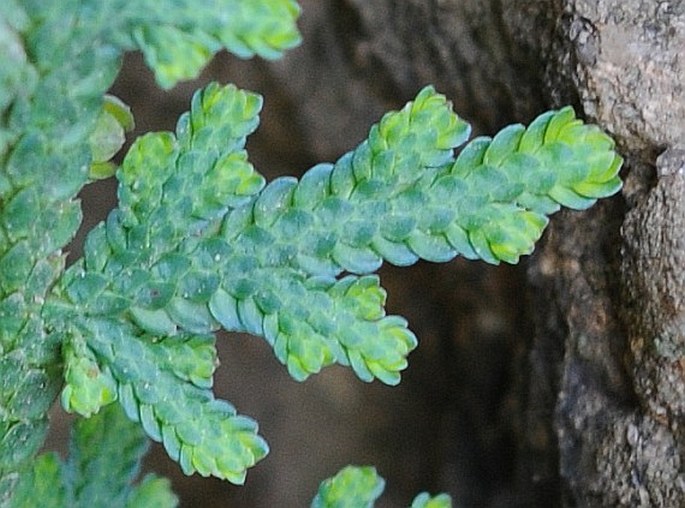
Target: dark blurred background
452, 423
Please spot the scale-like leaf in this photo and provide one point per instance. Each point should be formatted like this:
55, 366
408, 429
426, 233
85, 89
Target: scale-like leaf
178, 39
95, 476
424, 500
351, 487
360, 487
179, 260
163, 383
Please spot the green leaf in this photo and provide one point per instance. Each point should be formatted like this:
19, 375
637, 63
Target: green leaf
190, 358
174, 54
120, 111
154, 322
153, 492
178, 40
351, 487
106, 140
324, 321
46, 481
262, 27
424, 500
88, 386
105, 452
207, 161
102, 473
163, 384
179, 258
360, 487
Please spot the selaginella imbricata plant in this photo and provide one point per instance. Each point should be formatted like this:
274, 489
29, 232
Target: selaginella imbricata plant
199, 241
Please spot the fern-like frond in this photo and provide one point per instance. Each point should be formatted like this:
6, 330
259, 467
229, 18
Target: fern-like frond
360, 487
312, 322
351, 487
164, 383
51, 87
178, 39
199, 243
99, 476
56, 133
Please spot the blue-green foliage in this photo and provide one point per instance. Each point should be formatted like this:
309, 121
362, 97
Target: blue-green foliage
360, 487
199, 243
96, 476
425, 500
139, 267
178, 42
351, 487
45, 122
59, 57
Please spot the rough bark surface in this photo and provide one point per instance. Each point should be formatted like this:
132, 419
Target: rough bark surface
557, 383
620, 440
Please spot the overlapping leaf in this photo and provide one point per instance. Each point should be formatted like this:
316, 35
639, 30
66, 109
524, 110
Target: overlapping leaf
99, 476
59, 58
197, 244
51, 88
178, 39
164, 383
360, 487
351, 487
